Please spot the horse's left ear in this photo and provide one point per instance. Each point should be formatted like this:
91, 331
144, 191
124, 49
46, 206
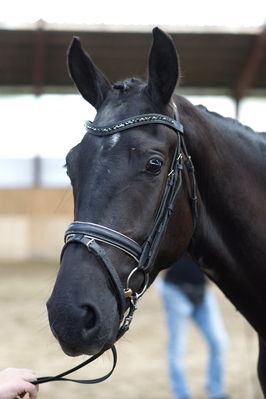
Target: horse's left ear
163, 67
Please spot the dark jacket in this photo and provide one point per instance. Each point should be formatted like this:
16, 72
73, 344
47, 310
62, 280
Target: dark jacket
187, 276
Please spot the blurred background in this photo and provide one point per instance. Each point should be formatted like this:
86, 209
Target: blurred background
222, 50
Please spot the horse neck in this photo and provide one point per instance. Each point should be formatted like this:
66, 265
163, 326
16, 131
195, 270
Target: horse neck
226, 173
228, 242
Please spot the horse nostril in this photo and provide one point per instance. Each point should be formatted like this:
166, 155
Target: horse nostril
89, 318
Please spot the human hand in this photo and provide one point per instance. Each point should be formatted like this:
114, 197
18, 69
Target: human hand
17, 382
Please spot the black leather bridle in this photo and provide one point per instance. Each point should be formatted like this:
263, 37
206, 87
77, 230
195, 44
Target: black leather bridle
92, 235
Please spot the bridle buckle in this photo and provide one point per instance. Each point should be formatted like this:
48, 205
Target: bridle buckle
90, 240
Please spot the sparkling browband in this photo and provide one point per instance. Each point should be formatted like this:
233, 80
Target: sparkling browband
129, 123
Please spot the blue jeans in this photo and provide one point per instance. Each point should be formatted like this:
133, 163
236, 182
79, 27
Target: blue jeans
179, 310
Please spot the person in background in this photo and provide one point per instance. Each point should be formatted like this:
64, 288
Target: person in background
17, 382
187, 296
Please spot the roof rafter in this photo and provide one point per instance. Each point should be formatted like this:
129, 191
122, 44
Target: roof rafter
253, 62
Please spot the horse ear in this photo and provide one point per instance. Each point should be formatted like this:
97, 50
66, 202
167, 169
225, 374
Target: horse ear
90, 81
163, 67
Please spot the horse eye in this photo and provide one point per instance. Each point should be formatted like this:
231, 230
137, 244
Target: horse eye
154, 165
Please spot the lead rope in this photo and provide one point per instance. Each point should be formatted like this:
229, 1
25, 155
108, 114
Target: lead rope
61, 376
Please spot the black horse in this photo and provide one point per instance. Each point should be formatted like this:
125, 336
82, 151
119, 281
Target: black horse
139, 205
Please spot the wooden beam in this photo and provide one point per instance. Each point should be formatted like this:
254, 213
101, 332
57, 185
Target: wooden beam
254, 60
38, 67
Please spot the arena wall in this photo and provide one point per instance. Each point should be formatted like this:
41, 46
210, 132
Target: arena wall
32, 223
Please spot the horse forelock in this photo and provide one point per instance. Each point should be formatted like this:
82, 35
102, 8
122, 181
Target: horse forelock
127, 98
127, 84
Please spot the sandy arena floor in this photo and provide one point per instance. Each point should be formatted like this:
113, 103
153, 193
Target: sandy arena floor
26, 341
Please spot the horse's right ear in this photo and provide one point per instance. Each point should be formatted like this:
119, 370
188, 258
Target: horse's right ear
90, 81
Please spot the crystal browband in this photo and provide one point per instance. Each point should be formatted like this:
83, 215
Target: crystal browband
129, 123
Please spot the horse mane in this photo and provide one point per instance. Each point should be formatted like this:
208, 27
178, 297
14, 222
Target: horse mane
229, 122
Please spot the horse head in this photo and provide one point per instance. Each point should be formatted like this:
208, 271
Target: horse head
121, 174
